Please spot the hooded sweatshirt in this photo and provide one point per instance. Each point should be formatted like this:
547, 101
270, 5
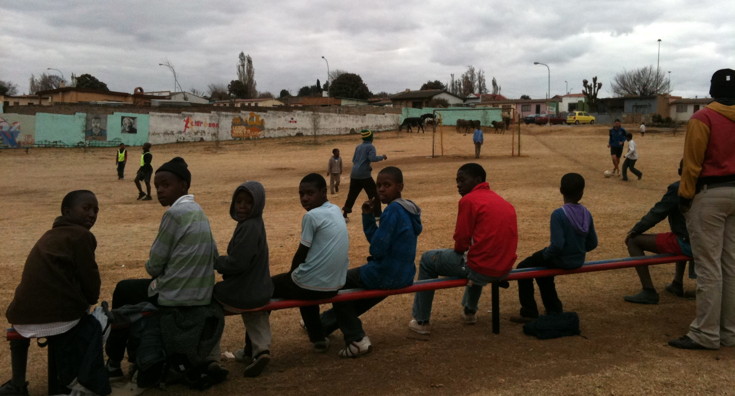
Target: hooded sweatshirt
392, 246
246, 277
708, 149
572, 236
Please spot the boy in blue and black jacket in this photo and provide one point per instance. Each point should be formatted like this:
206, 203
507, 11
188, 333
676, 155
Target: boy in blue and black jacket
390, 264
572, 236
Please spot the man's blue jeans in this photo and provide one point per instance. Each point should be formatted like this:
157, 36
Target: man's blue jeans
446, 262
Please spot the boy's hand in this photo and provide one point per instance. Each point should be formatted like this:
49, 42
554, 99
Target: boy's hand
369, 205
385, 157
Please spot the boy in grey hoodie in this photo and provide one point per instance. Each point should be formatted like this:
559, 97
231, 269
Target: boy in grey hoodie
246, 277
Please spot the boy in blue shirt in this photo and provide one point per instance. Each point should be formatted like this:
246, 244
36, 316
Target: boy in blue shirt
360, 175
319, 267
572, 236
615, 143
478, 139
390, 264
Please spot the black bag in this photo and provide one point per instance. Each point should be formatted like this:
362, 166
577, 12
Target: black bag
553, 326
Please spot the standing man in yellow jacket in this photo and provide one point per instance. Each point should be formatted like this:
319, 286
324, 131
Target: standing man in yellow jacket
120, 160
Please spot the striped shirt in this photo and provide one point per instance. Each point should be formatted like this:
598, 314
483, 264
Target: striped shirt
182, 256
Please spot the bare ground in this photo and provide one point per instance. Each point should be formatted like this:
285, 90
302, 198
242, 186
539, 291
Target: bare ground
622, 349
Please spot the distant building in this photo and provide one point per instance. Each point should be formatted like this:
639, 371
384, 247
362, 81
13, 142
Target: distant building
421, 99
259, 102
681, 110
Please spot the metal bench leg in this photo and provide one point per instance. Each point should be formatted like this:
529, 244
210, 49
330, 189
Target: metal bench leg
496, 307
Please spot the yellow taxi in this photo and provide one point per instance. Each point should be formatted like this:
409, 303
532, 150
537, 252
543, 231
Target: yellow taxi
580, 117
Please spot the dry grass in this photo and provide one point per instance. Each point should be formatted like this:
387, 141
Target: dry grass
623, 350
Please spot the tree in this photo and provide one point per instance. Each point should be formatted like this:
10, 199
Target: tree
310, 91
496, 87
590, 92
640, 82
349, 85
237, 89
525, 97
436, 84
284, 93
218, 92
88, 81
265, 95
8, 88
381, 94
470, 82
438, 102
45, 82
246, 75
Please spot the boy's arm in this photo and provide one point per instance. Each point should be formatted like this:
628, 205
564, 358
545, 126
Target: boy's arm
87, 272
299, 257
557, 235
243, 253
372, 155
658, 212
161, 248
380, 238
591, 242
464, 227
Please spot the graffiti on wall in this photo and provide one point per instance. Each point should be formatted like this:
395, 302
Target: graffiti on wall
9, 132
94, 129
129, 125
247, 128
190, 123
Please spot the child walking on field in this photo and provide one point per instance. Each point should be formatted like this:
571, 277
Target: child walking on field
630, 158
334, 171
389, 266
246, 277
572, 236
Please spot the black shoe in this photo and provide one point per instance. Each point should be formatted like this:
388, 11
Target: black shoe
522, 319
11, 389
216, 373
147, 198
640, 176
645, 296
676, 289
141, 196
258, 365
684, 342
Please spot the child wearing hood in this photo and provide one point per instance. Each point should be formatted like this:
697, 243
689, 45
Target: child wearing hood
389, 266
246, 277
572, 236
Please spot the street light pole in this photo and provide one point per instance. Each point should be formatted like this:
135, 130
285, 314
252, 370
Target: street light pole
658, 57
176, 80
62, 74
548, 92
325, 60
566, 87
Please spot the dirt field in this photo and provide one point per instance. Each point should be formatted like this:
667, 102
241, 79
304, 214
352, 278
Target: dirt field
623, 346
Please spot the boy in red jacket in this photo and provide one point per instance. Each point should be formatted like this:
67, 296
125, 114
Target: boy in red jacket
485, 241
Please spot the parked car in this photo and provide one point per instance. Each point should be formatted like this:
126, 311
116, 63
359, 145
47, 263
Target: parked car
580, 117
544, 119
529, 119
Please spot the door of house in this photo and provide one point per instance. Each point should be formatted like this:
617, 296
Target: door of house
538, 109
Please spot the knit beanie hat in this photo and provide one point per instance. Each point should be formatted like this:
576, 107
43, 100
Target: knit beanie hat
723, 84
178, 167
366, 134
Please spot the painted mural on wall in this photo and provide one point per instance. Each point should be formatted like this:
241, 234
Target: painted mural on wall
95, 127
129, 124
9, 133
248, 128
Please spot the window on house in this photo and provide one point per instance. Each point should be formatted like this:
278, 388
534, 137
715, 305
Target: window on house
681, 108
525, 108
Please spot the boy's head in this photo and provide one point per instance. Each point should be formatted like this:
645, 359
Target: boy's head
629, 136
146, 147
616, 123
389, 184
313, 191
572, 187
248, 201
335, 152
722, 85
468, 176
367, 135
80, 207
172, 181
122, 145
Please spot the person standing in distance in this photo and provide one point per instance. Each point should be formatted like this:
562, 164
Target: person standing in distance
360, 176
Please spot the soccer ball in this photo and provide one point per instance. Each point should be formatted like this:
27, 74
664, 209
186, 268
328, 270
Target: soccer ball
607, 173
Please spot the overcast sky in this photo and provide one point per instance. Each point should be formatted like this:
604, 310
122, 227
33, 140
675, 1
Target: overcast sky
393, 45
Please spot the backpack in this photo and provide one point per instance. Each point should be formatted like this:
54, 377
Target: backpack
553, 326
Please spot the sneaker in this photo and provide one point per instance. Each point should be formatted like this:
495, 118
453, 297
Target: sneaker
646, 296
424, 329
216, 373
241, 357
321, 346
522, 319
141, 196
640, 176
356, 348
469, 318
676, 289
258, 365
11, 389
114, 371
684, 342
147, 198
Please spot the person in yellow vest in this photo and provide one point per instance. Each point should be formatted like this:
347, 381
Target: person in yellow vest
120, 160
144, 173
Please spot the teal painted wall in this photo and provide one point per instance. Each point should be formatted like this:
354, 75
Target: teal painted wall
64, 129
449, 116
115, 128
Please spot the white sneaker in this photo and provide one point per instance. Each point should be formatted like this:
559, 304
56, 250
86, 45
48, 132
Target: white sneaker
423, 329
356, 348
469, 318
